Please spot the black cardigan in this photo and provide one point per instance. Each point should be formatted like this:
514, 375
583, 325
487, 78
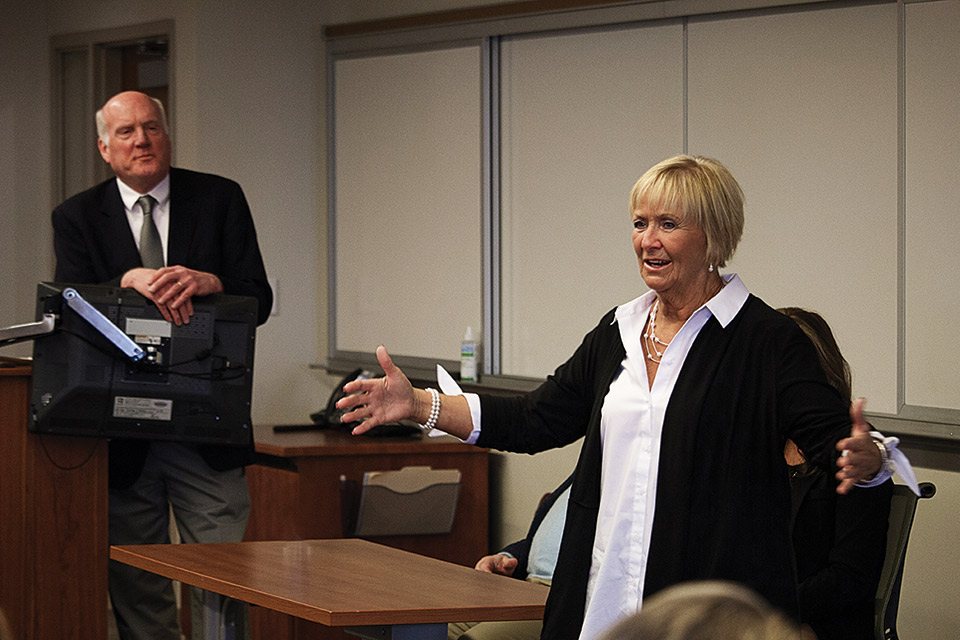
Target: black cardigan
723, 497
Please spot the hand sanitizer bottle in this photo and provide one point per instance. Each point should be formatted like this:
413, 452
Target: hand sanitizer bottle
468, 357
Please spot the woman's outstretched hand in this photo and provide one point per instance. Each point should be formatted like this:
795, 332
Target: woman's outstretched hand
861, 457
380, 400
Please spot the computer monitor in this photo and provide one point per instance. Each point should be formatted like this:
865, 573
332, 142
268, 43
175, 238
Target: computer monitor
189, 383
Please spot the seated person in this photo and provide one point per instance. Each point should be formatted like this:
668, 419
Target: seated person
532, 559
707, 610
839, 541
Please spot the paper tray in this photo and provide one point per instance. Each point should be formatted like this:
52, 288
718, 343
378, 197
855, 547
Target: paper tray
411, 501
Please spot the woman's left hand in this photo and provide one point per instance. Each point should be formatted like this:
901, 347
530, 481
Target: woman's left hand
861, 458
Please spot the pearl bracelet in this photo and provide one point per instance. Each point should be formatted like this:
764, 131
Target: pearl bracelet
434, 409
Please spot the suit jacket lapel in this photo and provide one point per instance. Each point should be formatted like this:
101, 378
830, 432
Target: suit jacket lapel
183, 216
120, 244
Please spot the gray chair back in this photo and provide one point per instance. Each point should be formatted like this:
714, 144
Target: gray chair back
903, 506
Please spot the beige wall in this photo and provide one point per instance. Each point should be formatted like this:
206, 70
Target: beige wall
250, 104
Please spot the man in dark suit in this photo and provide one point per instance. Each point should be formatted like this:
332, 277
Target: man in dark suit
171, 234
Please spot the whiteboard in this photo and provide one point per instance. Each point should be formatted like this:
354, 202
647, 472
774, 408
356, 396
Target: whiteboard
932, 204
583, 115
802, 108
407, 201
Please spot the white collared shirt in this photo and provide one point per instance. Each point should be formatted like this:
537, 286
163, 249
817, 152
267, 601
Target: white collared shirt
161, 210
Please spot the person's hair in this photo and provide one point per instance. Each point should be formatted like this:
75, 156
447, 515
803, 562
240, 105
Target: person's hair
707, 610
104, 134
702, 189
832, 362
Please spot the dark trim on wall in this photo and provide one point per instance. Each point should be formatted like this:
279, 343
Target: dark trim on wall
470, 14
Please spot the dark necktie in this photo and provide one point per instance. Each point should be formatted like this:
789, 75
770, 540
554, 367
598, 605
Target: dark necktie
151, 251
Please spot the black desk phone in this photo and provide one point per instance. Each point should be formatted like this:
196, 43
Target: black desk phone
332, 418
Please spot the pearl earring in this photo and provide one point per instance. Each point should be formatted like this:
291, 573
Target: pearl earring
710, 269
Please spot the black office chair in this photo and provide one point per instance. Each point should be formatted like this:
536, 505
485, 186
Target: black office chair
903, 505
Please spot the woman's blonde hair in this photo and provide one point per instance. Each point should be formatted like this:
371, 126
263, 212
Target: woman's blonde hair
702, 189
708, 610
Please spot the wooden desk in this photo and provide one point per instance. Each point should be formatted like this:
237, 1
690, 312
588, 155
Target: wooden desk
295, 492
345, 583
53, 524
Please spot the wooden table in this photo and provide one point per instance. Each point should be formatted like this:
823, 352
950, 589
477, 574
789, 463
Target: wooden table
296, 493
374, 590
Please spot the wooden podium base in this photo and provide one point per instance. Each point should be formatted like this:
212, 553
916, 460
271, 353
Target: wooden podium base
53, 528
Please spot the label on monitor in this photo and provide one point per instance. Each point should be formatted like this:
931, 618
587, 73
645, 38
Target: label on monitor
145, 328
142, 408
